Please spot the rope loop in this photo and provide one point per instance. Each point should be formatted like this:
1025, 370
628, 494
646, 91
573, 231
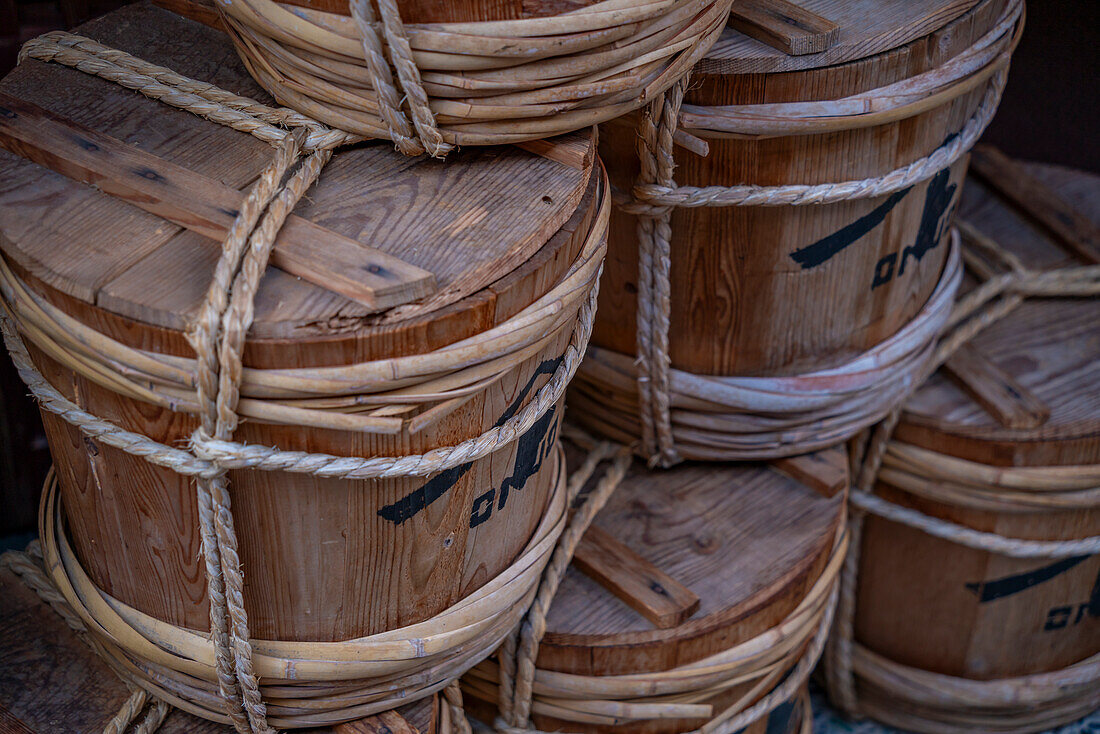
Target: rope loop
1004, 283
210, 386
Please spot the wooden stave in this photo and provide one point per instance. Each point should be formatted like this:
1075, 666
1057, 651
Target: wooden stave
651, 650
1043, 640
689, 335
552, 258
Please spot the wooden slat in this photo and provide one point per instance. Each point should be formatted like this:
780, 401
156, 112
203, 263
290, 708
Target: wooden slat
205, 206
1012, 181
572, 149
643, 587
825, 472
1012, 404
387, 722
784, 26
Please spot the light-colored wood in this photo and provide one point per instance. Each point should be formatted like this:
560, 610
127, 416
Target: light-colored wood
783, 290
205, 206
1012, 181
749, 541
497, 226
867, 27
784, 26
934, 605
1012, 404
645, 588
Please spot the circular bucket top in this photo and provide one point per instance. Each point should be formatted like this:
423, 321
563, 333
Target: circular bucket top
863, 28
747, 539
450, 248
1043, 359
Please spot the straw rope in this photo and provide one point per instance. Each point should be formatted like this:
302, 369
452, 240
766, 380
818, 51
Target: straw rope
775, 664
429, 87
744, 418
220, 677
944, 703
746, 428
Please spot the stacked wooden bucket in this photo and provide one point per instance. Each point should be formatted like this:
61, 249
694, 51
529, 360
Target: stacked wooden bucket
982, 612
314, 474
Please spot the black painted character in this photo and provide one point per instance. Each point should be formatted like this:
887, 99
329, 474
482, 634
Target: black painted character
528, 460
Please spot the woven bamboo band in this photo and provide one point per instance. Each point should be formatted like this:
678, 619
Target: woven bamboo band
305, 683
743, 418
953, 704
776, 663
656, 194
429, 87
222, 672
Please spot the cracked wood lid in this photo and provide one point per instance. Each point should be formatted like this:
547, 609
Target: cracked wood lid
471, 240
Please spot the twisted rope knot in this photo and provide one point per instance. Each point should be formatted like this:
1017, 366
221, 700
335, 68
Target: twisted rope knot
422, 134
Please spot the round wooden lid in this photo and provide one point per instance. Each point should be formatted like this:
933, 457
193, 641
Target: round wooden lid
1042, 361
863, 28
747, 540
492, 226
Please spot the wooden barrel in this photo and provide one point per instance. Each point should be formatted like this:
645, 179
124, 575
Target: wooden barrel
1004, 440
431, 75
797, 279
388, 259
696, 590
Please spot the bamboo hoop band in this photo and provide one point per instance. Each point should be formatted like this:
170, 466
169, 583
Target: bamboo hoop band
232, 665
656, 194
970, 484
430, 87
1004, 705
778, 661
29, 567
740, 418
910, 97
371, 674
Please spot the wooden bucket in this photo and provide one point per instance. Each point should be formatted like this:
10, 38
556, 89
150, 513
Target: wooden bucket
474, 284
696, 590
432, 75
1005, 440
795, 313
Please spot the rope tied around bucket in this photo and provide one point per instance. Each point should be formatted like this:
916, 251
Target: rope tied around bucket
302, 148
1005, 284
656, 195
778, 660
428, 139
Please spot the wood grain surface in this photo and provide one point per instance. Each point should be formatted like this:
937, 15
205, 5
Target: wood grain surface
867, 27
742, 303
496, 226
747, 540
946, 608
1049, 346
51, 681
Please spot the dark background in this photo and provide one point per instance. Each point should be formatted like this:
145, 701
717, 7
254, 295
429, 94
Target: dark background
1048, 113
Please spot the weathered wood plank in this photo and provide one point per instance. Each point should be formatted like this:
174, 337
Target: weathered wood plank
204, 205
996, 390
642, 586
825, 472
784, 26
1031, 196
